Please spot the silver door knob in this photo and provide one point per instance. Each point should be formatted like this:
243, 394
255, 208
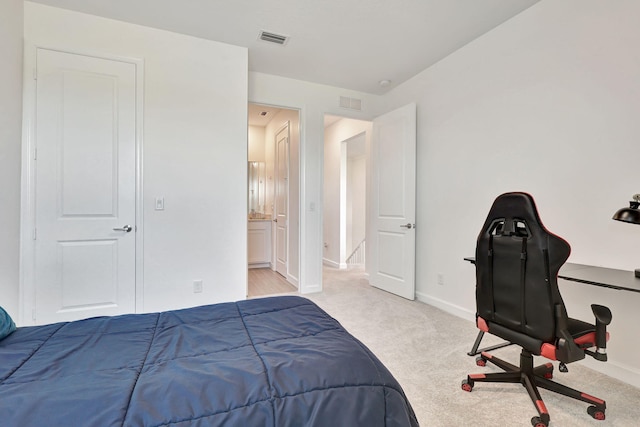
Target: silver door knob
126, 228
408, 225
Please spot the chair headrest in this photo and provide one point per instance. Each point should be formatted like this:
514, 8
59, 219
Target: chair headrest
513, 207
516, 214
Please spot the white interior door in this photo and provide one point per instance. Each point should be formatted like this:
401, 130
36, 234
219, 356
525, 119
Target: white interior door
85, 181
391, 245
282, 199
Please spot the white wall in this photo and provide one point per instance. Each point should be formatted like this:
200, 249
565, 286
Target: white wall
313, 101
256, 143
334, 136
194, 151
546, 103
11, 12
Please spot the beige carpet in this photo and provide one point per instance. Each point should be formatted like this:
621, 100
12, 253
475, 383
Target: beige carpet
425, 349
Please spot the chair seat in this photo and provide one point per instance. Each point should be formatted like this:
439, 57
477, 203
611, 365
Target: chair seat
583, 333
578, 328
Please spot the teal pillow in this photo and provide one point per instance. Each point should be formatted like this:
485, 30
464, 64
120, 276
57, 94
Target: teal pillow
6, 324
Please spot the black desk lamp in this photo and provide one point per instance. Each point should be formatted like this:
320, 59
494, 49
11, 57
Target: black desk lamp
630, 215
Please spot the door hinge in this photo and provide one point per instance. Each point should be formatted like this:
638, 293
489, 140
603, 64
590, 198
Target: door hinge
35, 73
35, 233
33, 314
35, 153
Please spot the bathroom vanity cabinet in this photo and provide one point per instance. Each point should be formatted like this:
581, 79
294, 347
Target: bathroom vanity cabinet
259, 243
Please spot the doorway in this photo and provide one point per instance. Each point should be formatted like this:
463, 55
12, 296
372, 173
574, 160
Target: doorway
390, 197
346, 142
273, 221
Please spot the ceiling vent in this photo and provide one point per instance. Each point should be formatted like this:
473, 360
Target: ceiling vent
351, 103
273, 38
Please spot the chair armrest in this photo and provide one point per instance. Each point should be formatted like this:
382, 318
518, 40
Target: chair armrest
602, 313
603, 318
566, 349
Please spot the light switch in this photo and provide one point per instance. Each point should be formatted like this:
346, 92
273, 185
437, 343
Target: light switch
159, 203
197, 286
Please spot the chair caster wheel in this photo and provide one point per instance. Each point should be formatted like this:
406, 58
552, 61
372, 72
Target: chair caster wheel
537, 422
481, 361
595, 413
467, 385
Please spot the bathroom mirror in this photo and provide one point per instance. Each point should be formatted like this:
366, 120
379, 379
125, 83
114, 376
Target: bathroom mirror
257, 186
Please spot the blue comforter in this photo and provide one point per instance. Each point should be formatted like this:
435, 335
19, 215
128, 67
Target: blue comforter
266, 362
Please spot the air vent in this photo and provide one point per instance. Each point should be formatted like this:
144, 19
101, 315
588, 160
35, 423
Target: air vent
350, 103
273, 38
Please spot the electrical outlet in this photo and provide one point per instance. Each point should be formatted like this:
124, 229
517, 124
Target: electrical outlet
197, 286
440, 279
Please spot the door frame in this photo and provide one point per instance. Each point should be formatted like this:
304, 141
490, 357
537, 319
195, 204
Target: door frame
26, 311
301, 218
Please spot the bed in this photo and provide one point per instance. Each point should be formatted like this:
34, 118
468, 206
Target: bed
278, 361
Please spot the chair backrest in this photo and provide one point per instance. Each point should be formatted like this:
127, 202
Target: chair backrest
517, 264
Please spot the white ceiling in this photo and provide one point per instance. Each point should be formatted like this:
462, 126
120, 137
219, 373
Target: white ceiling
353, 44
261, 115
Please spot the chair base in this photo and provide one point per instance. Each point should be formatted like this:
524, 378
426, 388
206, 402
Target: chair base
532, 378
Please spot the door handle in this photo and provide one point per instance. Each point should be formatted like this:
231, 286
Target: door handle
126, 228
408, 226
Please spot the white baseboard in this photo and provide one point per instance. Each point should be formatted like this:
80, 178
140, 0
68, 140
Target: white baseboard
310, 289
330, 263
613, 369
260, 265
293, 280
443, 305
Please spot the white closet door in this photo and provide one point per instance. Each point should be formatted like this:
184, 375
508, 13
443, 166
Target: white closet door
85, 187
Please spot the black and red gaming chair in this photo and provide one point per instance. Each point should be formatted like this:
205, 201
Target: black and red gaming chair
517, 296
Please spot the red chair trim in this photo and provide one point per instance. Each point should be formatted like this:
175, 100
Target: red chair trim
587, 339
592, 399
482, 324
549, 351
541, 408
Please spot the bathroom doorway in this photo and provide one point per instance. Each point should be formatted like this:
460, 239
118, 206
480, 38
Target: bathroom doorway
273, 196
